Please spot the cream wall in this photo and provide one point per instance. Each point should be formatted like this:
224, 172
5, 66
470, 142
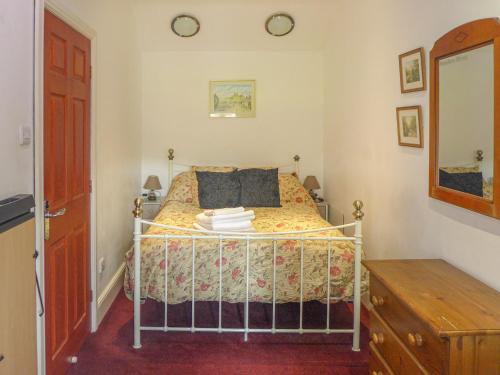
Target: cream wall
363, 159
16, 96
117, 126
289, 121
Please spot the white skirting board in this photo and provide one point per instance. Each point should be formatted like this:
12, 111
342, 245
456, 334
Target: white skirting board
109, 293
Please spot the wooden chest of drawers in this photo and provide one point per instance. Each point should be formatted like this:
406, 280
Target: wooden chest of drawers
429, 318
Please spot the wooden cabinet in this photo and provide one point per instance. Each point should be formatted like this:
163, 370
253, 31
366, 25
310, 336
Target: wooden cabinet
17, 300
429, 318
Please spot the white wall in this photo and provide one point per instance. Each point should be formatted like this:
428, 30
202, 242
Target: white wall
117, 125
363, 159
16, 95
289, 120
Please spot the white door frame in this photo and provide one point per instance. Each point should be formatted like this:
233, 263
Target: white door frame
71, 19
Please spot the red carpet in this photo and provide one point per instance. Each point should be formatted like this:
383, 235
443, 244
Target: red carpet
109, 350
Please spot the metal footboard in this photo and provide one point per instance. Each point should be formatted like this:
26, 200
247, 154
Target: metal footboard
194, 235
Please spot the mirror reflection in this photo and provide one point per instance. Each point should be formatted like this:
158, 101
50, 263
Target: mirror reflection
466, 122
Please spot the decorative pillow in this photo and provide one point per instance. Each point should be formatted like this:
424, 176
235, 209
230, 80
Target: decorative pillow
292, 192
181, 189
196, 168
218, 189
471, 182
259, 187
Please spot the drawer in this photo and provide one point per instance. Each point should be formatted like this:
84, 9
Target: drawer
397, 356
430, 350
377, 364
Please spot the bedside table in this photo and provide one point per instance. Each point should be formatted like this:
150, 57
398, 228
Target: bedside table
323, 210
151, 209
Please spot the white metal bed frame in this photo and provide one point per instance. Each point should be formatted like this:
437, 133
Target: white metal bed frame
194, 235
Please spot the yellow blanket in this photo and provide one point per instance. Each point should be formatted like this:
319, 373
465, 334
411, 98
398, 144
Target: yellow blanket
294, 215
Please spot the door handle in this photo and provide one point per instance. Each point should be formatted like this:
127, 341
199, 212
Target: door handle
48, 215
60, 212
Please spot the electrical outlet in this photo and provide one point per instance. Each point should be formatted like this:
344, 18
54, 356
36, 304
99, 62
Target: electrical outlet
101, 265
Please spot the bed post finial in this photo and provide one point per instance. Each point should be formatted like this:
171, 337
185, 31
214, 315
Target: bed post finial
358, 214
170, 154
138, 208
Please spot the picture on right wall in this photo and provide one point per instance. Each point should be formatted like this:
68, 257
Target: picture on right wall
412, 71
410, 126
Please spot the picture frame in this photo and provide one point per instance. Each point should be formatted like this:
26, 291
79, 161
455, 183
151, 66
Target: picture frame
409, 121
232, 99
412, 73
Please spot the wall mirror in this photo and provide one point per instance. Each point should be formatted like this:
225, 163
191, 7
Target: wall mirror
465, 117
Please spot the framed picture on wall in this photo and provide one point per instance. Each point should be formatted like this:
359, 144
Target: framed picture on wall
232, 98
410, 126
412, 70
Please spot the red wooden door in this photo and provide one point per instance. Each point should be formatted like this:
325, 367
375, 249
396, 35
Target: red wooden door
66, 184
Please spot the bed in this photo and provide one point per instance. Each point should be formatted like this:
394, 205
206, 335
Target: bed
266, 267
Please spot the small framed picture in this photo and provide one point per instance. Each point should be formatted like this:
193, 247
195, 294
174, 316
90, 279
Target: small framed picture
410, 126
232, 98
412, 70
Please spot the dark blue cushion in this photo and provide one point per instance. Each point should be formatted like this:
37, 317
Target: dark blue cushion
470, 182
259, 187
218, 189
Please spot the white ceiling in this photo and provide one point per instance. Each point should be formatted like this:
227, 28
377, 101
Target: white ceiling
236, 25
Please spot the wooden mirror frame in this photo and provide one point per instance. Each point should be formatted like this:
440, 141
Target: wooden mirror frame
461, 39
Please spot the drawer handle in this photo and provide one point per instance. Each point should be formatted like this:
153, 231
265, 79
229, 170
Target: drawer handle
378, 338
1, 357
377, 301
415, 339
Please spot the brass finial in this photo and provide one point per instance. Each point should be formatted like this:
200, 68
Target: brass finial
358, 214
296, 158
138, 208
170, 154
479, 155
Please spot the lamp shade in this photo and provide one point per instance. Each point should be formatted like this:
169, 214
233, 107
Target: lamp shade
311, 183
152, 183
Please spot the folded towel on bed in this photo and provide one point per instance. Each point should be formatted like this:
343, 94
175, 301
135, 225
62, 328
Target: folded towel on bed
240, 216
251, 229
224, 211
246, 224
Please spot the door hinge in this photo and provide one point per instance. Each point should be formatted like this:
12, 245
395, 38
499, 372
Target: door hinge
91, 294
90, 186
91, 71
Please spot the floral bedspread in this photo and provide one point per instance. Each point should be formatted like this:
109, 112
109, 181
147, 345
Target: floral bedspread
296, 214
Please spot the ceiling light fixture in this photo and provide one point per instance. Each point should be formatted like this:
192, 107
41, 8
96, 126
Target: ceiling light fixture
280, 24
185, 26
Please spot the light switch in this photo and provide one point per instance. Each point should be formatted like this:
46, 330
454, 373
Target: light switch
24, 135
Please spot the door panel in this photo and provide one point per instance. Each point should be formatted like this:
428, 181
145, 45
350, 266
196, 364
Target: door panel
66, 180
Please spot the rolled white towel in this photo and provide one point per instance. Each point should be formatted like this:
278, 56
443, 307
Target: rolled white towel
249, 230
240, 216
224, 211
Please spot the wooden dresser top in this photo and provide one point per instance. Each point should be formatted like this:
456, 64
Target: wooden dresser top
449, 300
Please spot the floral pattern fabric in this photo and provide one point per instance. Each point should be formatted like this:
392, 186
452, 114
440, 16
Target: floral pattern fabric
298, 212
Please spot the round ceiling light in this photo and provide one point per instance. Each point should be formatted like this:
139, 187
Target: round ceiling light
185, 26
280, 24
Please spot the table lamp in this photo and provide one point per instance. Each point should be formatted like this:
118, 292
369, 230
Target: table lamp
311, 183
152, 184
